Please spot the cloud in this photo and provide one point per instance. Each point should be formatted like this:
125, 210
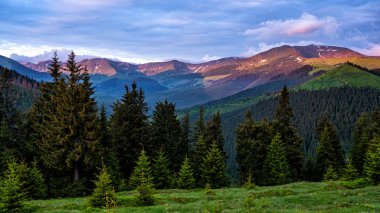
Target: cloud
371, 50
264, 47
207, 57
305, 25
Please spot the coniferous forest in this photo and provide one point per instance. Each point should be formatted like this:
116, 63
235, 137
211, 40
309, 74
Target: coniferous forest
66, 145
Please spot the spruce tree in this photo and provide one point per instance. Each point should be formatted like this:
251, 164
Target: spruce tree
103, 193
161, 171
185, 176
372, 161
167, 133
329, 151
276, 166
129, 128
253, 139
330, 174
142, 171
213, 168
214, 133
186, 133
350, 172
361, 141
199, 153
36, 187
289, 135
12, 194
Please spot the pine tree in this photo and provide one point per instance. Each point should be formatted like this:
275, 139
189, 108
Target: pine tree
276, 166
213, 168
161, 171
214, 133
372, 161
185, 176
167, 133
199, 153
289, 136
55, 67
129, 128
253, 139
141, 171
329, 151
36, 183
11, 190
330, 174
103, 192
350, 173
361, 141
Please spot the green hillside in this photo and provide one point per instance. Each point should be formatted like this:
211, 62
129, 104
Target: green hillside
344, 75
295, 197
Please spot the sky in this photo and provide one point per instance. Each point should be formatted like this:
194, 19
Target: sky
140, 31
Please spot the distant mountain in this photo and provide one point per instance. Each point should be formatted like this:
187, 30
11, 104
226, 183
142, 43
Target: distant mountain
216, 79
23, 70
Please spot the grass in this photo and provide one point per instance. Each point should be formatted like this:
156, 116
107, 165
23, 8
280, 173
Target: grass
295, 197
344, 75
369, 62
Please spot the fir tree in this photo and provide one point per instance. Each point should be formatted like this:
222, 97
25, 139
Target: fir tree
350, 173
361, 141
329, 151
186, 133
276, 166
330, 174
129, 127
11, 190
185, 176
167, 133
55, 67
103, 192
372, 161
253, 139
199, 153
142, 171
161, 171
36, 183
213, 168
289, 136
214, 133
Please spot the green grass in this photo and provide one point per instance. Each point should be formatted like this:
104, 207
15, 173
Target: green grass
344, 75
295, 197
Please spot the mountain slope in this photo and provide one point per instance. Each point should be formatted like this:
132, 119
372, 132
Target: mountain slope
21, 69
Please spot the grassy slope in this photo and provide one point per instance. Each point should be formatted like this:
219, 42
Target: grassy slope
344, 75
296, 197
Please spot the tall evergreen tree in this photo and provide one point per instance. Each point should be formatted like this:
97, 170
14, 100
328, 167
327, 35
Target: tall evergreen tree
161, 171
167, 133
213, 168
185, 176
12, 194
186, 133
214, 133
276, 166
129, 128
142, 171
289, 135
199, 153
329, 151
361, 141
253, 139
372, 161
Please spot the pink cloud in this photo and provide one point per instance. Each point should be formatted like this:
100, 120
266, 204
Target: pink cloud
305, 25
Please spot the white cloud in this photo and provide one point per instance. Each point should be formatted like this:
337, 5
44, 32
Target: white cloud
371, 50
305, 25
264, 47
207, 57
9, 48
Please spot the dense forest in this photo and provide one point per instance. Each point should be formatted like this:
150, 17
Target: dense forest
65, 146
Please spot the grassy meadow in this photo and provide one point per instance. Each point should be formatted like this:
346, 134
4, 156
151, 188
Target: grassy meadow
295, 197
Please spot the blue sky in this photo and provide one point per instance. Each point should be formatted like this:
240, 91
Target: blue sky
195, 30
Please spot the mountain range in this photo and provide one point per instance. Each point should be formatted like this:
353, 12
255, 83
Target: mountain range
189, 84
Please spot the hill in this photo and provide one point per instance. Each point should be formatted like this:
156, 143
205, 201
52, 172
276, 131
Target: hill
295, 197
